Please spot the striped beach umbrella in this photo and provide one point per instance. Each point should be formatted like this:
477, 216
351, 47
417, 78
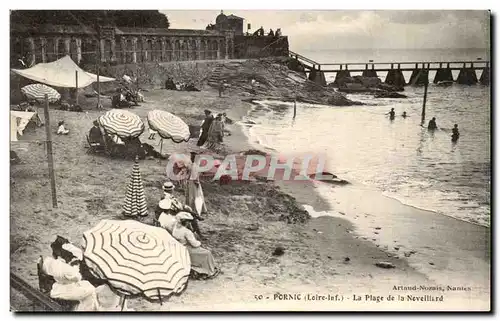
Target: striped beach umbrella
135, 199
38, 92
122, 123
169, 126
137, 259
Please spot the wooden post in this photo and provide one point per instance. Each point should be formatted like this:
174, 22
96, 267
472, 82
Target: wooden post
49, 152
425, 100
294, 108
76, 87
98, 82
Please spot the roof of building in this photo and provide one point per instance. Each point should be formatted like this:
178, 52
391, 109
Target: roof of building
232, 16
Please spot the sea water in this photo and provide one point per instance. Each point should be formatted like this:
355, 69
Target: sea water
399, 158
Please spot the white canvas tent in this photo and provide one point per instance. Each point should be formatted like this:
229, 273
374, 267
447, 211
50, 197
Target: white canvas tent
61, 73
18, 122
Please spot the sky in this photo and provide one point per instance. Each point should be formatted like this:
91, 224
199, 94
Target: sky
354, 29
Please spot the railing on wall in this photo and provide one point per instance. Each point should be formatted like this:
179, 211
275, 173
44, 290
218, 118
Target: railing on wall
39, 301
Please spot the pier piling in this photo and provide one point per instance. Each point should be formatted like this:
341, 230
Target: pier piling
396, 78
485, 76
420, 76
341, 74
318, 77
467, 76
443, 74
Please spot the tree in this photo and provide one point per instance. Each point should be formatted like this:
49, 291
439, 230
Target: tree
118, 18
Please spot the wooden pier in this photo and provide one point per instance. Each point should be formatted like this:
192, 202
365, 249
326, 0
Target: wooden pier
420, 70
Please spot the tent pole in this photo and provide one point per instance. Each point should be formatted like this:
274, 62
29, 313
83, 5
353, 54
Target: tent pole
98, 70
76, 86
49, 152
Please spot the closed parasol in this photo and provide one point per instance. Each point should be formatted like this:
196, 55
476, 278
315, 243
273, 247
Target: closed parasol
38, 92
135, 199
137, 259
169, 126
122, 123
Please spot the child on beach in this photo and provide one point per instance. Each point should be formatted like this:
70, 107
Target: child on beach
61, 130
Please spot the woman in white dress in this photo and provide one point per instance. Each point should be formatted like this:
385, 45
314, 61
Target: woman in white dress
202, 261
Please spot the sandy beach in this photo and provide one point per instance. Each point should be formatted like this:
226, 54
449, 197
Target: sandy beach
326, 256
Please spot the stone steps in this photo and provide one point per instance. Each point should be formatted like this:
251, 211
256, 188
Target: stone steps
214, 78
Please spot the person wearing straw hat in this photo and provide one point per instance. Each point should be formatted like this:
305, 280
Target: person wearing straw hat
170, 206
202, 261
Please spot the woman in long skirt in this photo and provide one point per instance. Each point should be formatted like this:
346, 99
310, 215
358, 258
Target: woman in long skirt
202, 260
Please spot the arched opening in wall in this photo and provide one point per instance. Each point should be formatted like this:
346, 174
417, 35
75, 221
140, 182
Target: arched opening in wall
129, 51
168, 50
150, 51
73, 50
177, 50
182, 47
158, 48
216, 49
61, 48
89, 51
119, 52
140, 50
107, 51
50, 53
212, 50
38, 50
193, 49
202, 49
208, 51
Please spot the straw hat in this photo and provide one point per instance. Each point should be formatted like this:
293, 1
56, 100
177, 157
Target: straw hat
168, 187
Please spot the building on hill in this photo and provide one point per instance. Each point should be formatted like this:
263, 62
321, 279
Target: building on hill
229, 23
88, 41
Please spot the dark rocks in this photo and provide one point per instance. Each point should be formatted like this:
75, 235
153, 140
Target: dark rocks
279, 250
409, 253
252, 227
347, 259
385, 94
388, 87
385, 265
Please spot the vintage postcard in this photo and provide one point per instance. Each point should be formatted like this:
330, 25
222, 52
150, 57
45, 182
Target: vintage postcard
258, 160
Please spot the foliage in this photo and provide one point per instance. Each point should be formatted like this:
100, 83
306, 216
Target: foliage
118, 18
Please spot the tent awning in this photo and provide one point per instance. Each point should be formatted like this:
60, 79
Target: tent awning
18, 122
60, 73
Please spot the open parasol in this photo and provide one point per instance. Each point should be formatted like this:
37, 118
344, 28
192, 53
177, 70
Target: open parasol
137, 259
38, 92
122, 123
169, 126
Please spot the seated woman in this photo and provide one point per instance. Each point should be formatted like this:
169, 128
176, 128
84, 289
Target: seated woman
63, 249
95, 135
69, 285
202, 261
